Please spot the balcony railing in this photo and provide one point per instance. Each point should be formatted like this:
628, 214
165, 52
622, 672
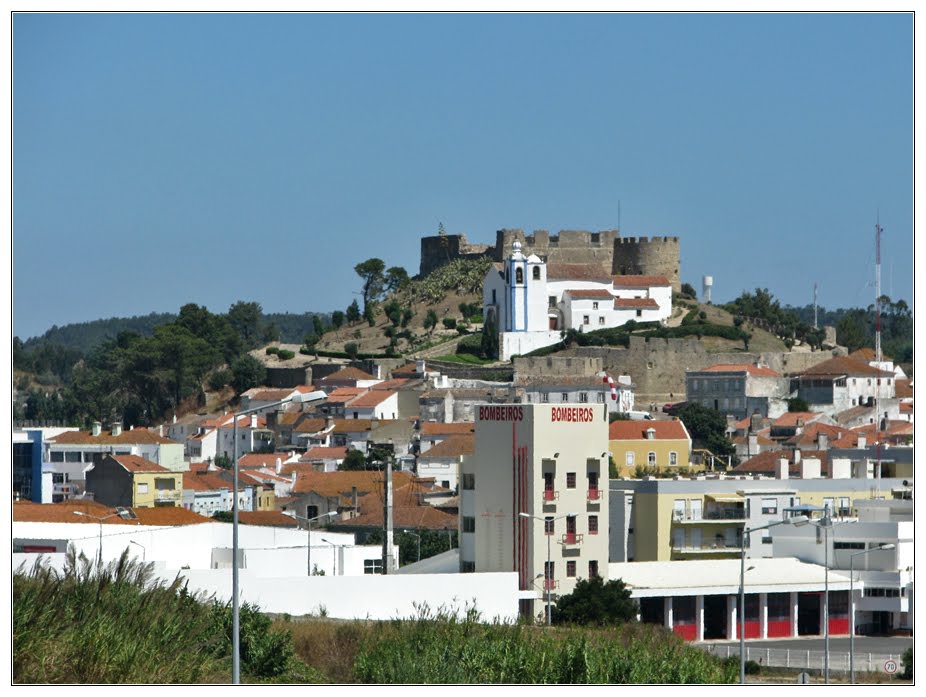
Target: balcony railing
171, 495
571, 538
707, 548
550, 495
594, 494
550, 584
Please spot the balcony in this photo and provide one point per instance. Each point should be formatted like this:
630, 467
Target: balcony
594, 494
171, 495
550, 584
550, 495
712, 548
571, 538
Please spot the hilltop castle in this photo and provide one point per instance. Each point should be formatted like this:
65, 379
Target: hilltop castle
616, 255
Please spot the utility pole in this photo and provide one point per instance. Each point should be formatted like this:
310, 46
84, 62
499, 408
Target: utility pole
814, 305
878, 231
387, 511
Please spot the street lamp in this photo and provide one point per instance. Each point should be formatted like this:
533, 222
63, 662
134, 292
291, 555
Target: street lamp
418, 538
142, 549
119, 514
299, 397
334, 556
888, 545
308, 530
795, 520
826, 522
548, 581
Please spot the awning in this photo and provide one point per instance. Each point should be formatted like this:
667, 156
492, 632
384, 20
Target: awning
725, 498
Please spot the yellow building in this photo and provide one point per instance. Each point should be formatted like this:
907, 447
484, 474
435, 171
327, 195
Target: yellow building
658, 445
702, 518
133, 481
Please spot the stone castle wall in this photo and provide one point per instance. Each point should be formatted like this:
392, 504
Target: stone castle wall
648, 256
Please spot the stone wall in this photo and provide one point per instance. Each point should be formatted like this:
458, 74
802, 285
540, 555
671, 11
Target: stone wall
566, 247
556, 366
648, 256
438, 250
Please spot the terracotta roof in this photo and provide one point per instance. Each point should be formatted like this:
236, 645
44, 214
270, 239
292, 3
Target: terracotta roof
906, 407
408, 510
272, 518
243, 422
134, 463
270, 394
634, 302
371, 399
765, 463
28, 512
297, 467
259, 478
810, 433
790, 418
407, 369
636, 430
352, 425
630, 281
331, 484
325, 454
310, 426
454, 446
348, 373
853, 413
755, 370
760, 440
903, 388
577, 272
138, 436
590, 293
430, 428
867, 354
843, 365
394, 384
206, 481
345, 394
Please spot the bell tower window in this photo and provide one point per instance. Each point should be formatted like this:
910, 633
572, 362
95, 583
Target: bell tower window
518, 276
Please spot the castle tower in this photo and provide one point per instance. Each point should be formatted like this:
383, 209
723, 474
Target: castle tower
648, 256
525, 296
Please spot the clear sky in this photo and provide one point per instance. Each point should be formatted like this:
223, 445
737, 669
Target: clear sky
165, 159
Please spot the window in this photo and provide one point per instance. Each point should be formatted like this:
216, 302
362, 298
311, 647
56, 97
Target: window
564, 397
843, 509
651, 458
72, 457
583, 397
544, 397
468, 567
848, 545
507, 274
673, 459
536, 273
548, 481
595, 305
585, 319
57, 457
469, 523
593, 481
548, 525
828, 502
600, 397
493, 296
593, 525
162, 484
373, 566
469, 481
639, 313
518, 277
571, 569
769, 506
678, 509
551, 301
628, 458
142, 487
601, 320
767, 539
593, 568
570, 480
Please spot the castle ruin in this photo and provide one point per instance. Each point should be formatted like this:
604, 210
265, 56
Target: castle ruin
644, 256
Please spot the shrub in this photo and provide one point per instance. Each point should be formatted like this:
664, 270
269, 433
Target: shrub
595, 602
449, 323
351, 349
285, 354
471, 344
272, 350
751, 667
906, 660
220, 379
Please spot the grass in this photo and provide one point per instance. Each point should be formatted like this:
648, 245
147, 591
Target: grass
466, 358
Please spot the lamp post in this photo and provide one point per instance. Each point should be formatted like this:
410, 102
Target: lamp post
548, 581
99, 552
308, 541
334, 556
888, 545
142, 549
418, 538
795, 520
236, 628
826, 522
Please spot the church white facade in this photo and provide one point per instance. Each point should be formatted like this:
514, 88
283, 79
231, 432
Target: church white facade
531, 304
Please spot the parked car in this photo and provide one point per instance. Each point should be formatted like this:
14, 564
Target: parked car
673, 409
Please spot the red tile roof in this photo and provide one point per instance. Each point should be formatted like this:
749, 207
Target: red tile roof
394, 384
430, 428
843, 365
454, 446
348, 373
371, 399
331, 484
136, 464
790, 418
588, 293
755, 370
256, 460
352, 425
867, 355
325, 454
634, 302
833, 434
629, 281
138, 436
28, 512
310, 426
206, 481
636, 430
272, 518
345, 394
903, 388
767, 462
409, 369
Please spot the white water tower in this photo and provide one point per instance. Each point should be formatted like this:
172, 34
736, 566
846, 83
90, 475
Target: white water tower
706, 292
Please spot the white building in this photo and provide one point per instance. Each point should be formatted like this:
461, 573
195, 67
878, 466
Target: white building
531, 304
544, 461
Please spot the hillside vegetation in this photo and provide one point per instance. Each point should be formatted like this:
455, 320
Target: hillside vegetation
112, 624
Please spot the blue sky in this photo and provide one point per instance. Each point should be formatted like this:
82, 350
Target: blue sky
165, 159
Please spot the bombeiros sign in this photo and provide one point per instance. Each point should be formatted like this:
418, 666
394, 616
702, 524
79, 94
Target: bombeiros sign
557, 414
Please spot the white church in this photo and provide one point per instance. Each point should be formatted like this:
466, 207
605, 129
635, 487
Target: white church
532, 302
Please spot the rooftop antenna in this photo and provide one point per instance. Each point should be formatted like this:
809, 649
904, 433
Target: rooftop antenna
814, 305
618, 215
878, 231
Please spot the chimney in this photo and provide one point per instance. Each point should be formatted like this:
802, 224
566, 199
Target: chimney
781, 468
117, 428
797, 456
253, 420
862, 441
353, 499
175, 418
97, 428
419, 367
279, 466
650, 433
161, 430
753, 444
822, 440
755, 422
